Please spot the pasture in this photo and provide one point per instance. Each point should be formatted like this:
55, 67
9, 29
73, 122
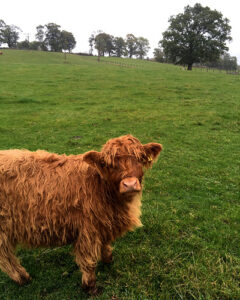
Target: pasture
189, 245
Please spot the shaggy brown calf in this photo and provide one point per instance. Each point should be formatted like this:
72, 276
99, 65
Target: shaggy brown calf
87, 200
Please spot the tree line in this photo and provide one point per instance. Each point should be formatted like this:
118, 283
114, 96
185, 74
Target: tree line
224, 62
130, 46
49, 37
196, 36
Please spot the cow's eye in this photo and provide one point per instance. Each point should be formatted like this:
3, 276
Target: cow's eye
140, 179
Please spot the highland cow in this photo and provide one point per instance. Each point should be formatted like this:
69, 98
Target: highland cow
86, 200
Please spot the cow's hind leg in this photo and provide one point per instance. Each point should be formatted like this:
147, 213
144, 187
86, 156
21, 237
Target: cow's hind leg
9, 262
106, 254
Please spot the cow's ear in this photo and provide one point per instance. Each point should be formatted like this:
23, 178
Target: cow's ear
94, 159
152, 151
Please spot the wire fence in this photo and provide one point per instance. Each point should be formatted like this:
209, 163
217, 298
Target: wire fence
145, 64
120, 64
150, 64
219, 70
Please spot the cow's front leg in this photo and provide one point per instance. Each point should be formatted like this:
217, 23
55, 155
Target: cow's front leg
89, 281
87, 257
106, 254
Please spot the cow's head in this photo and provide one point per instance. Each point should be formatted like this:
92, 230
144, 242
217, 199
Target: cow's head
122, 162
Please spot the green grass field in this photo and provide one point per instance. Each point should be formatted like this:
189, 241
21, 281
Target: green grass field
189, 247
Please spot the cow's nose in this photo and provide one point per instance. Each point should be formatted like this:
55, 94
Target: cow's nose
130, 184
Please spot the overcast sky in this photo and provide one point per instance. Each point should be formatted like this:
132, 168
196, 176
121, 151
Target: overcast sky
147, 18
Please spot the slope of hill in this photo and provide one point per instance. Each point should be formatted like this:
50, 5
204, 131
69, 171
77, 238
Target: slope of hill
189, 245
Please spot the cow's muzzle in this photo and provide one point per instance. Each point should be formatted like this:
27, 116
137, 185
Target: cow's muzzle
130, 185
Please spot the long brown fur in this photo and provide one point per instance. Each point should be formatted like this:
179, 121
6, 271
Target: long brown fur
48, 199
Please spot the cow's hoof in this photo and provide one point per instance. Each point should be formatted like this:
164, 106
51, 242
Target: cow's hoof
24, 280
108, 260
93, 290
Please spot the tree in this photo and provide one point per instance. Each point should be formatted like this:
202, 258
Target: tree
68, 40
159, 55
100, 44
131, 45
229, 62
10, 35
196, 36
2, 26
109, 44
23, 45
104, 43
225, 62
119, 46
53, 37
91, 43
35, 45
40, 35
142, 47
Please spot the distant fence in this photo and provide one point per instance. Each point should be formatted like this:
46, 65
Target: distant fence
219, 70
119, 63
140, 64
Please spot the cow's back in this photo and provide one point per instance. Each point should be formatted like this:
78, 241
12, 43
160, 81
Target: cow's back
38, 192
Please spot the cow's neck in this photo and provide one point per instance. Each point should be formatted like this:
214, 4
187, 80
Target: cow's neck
124, 211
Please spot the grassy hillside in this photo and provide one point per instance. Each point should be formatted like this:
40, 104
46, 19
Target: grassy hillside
189, 245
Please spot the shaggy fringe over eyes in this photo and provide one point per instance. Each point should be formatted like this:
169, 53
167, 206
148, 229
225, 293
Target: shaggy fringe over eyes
123, 146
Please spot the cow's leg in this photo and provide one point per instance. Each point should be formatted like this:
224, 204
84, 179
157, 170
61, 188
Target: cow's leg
106, 254
9, 262
87, 256
89, 281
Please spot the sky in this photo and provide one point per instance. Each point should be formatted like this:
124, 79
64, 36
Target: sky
147, 18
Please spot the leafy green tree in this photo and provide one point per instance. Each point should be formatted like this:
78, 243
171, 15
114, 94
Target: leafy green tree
119, 46
225, 62
40, 36
142, 47
229, 62
131, 45
23, 45
10, 35
197, 35
101, 44
109, 44
91, 43
104, 43
2, 26
35, 45
159, 55
68, 40
53, 37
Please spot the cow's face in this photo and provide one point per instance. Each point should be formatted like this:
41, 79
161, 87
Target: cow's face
122, 162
